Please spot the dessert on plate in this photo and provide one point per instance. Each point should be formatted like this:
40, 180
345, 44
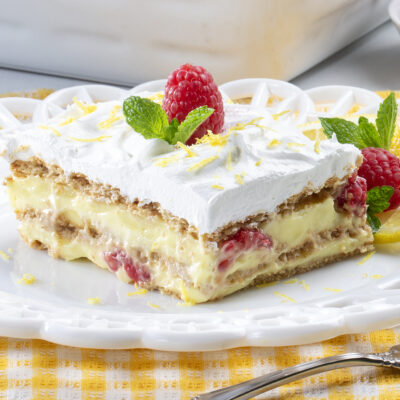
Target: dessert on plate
185, 192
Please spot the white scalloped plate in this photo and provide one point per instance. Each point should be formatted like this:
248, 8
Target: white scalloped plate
55, 307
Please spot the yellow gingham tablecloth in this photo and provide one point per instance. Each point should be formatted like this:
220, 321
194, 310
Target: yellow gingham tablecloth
35, 369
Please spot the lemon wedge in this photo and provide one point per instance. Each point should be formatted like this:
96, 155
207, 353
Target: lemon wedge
390, 229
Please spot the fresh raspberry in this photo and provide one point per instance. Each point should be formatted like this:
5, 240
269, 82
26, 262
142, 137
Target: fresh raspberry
117, 259
189, 87
243, 240
354, 195
380, 167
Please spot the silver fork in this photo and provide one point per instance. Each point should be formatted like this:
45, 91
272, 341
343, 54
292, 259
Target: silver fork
256, 386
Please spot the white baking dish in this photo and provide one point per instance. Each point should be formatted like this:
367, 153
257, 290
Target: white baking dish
129, 41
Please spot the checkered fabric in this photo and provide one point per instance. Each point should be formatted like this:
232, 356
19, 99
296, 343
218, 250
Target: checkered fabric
35, 369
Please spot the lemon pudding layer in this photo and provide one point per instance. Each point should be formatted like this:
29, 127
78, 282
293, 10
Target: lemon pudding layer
253, 204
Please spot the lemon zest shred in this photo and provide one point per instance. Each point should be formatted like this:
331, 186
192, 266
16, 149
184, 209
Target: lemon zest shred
27, 279
294, 144
100, 138
239, 179
85, 108
334, 290
113, 117
317, 144
187, 149
290, 281
4, 255
156, 97
67, 121
377, 276
285, 297
163, 162
10, 250
219, 187
258, 163
50, 128
152, 305
139, 292
185, 295
214, 139
276, 116
274, 143
305, 285
366, 258
240, 125
201, 164
93, 301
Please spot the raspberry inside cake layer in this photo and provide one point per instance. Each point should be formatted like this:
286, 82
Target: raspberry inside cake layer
73, 217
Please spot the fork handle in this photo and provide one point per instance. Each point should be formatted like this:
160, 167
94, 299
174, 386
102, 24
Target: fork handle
256, 386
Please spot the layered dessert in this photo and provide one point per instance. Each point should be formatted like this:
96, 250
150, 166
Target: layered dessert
249, 203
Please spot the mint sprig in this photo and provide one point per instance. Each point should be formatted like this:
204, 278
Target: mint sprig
377, 201
149, 119
365, 134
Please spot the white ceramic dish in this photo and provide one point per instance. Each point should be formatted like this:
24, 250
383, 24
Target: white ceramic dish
131, 41
394, 12
344, 297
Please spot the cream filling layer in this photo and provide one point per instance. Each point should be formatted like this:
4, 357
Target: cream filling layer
185, 290
70, 250
292, 229
148, 233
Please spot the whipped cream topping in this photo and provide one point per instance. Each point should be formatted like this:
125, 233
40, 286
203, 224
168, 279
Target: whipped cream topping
253, 166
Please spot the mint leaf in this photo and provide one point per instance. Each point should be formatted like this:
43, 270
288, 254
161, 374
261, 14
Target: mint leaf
386, 120
170, 131
345, 131
378, 198
377, 201
368, 134
145, 117
192, 121
374, 222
